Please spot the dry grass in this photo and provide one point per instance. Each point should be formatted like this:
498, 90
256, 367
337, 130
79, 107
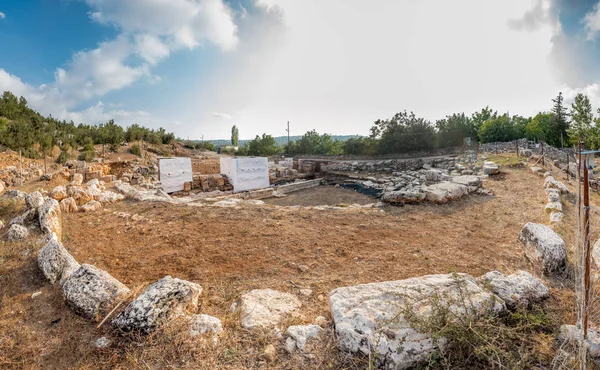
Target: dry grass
231, 251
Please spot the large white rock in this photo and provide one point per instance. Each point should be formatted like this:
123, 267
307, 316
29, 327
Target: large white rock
50, 217
59, 193
264, 308
127, 190
55, 262
553, 207
574, 334
91, 292
77, 179
553, 195
162, 301
544, 247
517, 290
68, 205
489, 168
78, 193
34, 200
204, 324
444, 192
28, 218
109, 197
91, 206
298, 335
467, 180
17, 233
369, 318
403, 196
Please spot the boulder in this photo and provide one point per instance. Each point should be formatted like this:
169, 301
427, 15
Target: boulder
264, 308
34, 200
552, 183
467, 180
55, 262
109, 197
544, 247
78, 193
14, 194
91, 206
59, 193
127, 190
50, 217
162, 301
17, 233
370, 318
573, 334
28, 218
525, 153
91, 292
444, 192
553, 195
77, 179
68, 205
403, 196
298, 335
203, 324
553, 207
490, 168
517, 290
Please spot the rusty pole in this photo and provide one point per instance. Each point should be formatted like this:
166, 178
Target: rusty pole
543, 161
586, 244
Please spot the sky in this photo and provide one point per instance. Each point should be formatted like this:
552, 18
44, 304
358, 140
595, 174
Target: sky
197, 67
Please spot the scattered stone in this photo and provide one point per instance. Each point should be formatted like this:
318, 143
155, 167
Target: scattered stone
77, 179
290, 345
553, 195
91, 292
303, 268
127, 190
263, 308
270, 353
368, 317
68, 205
78, 193
572, 333
517, 290
300, 334
403, 196
91, 206
28, 218
552, 183
17, 233
1, 224
50, 217
36, 294
102, 342
46, 177
202, 324
489, 168
14, 194
162, 301
34, 200
544, 247
55, 262
59, 193
306, 292
553, 207
109, 197
556, 217
467, 180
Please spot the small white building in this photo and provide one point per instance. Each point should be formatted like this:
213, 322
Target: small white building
246, 173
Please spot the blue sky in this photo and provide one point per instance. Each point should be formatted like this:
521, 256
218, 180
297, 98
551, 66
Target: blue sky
196, 67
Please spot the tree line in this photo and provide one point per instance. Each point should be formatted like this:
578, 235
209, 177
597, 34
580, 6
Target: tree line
405, 132
22, 128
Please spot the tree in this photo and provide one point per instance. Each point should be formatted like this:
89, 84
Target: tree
559, 127
479, 118
499, 128
540, 126
453, 129
403, 133
260, 146
581, 121
235, 136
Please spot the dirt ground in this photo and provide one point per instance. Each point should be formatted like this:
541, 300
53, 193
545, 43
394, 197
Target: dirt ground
231, 251
321, 195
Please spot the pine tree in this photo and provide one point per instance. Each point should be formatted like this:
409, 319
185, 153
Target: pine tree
560, 124
582, 117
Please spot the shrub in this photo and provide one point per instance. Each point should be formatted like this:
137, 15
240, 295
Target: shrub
87, 156
135, 149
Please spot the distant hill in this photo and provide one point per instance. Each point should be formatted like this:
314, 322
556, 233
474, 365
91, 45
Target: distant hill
281, 140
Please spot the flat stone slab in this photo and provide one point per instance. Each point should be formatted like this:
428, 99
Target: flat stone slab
444, 192
369, 318
517, 290
264, 308
467, 180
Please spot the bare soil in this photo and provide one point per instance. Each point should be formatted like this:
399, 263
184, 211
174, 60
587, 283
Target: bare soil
322, 195
231, 251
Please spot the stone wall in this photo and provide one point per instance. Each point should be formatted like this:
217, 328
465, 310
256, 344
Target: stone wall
390, 165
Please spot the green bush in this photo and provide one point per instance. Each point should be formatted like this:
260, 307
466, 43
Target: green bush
87, 156
63, 156
135, 149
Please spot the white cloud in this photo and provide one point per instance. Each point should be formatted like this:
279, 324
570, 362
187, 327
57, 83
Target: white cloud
2, 15
221, 115
592, 22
